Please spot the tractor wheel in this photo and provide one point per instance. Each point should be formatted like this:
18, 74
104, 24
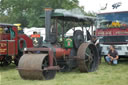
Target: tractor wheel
48, 74
31, 66
6, 61
87, 57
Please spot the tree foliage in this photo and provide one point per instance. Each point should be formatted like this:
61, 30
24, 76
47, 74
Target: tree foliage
27, 12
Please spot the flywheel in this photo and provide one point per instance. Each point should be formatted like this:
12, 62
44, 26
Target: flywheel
87, 57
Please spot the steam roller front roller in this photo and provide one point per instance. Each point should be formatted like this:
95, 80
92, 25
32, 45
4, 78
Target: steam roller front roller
32, 67
87, 57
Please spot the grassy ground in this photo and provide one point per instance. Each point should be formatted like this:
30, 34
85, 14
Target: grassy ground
105, 75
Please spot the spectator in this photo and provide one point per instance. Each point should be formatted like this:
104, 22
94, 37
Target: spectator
95, 40
35, 35
112, 56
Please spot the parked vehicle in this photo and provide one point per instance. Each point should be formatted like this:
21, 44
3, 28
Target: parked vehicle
59, 52
112, 28
12, 44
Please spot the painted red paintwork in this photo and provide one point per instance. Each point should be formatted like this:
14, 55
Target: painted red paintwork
112, 32
51, 56
60, 52
5, 36
3, 47
28, 40
11, 47
15, 29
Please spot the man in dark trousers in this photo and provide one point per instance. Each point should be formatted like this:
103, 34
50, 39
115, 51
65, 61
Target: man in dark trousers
95, 40
112, 56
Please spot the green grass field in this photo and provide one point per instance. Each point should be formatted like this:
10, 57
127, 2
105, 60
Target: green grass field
105, 75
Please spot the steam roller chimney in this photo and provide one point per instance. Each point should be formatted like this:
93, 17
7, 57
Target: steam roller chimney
48, 12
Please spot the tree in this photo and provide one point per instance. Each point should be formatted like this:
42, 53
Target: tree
27, 12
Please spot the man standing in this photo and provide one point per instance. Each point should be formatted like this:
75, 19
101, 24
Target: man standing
112, 56
95, 40
35, 35
37, 39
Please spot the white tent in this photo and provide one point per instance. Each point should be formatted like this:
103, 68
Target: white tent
41, 31
29, 31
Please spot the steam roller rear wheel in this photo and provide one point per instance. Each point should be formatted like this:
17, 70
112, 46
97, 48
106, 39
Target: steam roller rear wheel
31, 67
87, 57
6, 61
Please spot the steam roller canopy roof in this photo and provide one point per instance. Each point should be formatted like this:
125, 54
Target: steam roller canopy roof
70, 15
5, 24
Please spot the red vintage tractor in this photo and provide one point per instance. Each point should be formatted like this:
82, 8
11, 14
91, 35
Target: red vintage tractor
58, 51
12, 44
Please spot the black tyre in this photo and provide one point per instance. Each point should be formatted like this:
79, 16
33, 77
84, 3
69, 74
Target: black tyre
48, 74
6, 61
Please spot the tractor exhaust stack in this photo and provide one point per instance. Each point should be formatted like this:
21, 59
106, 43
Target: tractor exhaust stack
48, 12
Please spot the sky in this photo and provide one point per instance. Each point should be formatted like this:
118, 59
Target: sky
96, 5
90, 5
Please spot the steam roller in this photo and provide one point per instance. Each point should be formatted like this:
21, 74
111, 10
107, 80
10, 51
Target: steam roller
34, 69
59, 52
36, 66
